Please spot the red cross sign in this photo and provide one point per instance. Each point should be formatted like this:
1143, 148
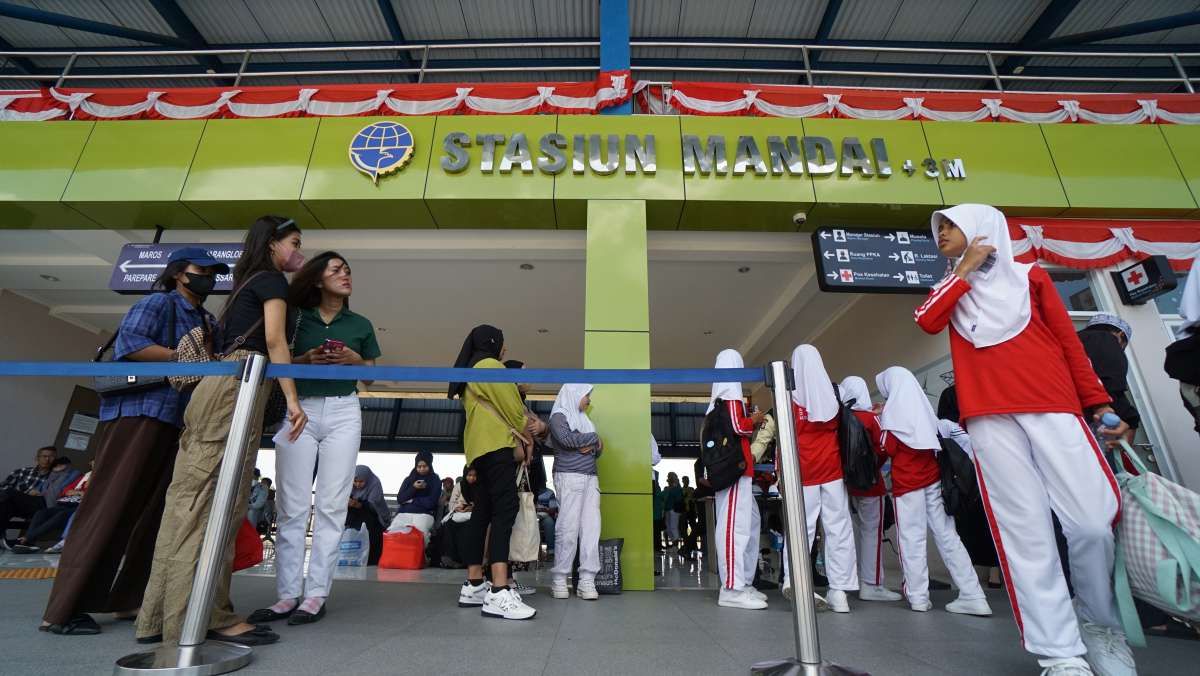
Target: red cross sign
1135, 277
847, 275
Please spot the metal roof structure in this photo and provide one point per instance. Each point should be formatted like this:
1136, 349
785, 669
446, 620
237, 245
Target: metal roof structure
699, 32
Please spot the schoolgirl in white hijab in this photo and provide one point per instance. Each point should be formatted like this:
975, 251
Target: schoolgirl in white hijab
855, 393
576, 447
568, 403
1189, 305
821, 475
907, 413
737, 519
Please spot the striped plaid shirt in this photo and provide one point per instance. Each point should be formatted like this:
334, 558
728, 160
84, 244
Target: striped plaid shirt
24, 479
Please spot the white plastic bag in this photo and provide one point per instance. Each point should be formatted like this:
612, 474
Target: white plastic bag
525, 544
355, 547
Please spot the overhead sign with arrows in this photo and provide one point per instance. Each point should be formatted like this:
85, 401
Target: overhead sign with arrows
139, 265
864, 260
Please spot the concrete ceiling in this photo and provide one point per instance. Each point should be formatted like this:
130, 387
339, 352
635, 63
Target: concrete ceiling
425, 289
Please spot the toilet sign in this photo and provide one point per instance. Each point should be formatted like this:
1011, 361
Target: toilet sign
139, 265
1144, 280
868, 260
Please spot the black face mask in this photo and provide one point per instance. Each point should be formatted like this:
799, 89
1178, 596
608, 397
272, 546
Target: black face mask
201, 285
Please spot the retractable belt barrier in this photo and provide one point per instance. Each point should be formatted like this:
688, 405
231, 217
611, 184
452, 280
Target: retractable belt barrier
194, 656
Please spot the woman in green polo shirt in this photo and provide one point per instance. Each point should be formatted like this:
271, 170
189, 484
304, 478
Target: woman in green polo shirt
327, 333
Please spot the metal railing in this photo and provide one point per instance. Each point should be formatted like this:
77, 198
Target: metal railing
805, 66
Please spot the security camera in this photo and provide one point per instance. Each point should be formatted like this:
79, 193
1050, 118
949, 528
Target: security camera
799, 218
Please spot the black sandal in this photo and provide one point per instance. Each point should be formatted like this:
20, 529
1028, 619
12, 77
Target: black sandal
259, 635
263, 615
147, 640
80, 625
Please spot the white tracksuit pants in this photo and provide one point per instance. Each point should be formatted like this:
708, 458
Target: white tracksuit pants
921, 511
828, 501
578, 525
737, 527
332, 436
1029, 464
868, 537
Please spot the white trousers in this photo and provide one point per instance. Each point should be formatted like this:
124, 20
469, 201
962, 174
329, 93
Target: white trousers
578, 525
829, 503
1029, 464
868, 538
737, 529
920, 511
331, 437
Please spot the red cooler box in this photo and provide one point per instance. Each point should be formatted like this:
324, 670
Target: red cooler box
403, 549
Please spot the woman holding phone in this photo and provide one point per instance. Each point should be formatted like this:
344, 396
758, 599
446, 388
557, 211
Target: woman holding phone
327, 333
254, 321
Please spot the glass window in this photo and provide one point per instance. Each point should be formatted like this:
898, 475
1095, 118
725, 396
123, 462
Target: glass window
1168, 303
1075, 290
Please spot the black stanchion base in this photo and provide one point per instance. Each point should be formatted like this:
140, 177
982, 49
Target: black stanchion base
207, 659
794, 667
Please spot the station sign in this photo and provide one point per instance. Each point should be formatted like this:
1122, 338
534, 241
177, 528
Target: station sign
1144, 280
139, 265
867, 260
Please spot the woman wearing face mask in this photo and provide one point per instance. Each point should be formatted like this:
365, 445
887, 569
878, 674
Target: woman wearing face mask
254, 321
105, 566
327, 333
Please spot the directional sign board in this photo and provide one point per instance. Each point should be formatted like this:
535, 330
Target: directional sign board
862, 260
140, 264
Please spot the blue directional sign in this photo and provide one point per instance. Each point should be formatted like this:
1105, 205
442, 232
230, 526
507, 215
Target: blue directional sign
865, 260
139, 265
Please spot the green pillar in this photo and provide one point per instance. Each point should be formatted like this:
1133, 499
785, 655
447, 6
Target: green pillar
617, 335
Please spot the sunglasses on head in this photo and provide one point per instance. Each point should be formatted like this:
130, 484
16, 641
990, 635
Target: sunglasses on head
289, 223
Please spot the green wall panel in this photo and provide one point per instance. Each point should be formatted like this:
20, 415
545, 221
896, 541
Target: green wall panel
1184, 141
662, 191
35, 167
1117, 169
1008, 166
630, 517
617, 277
246, 168
340, 196
749, 201
122, 189
474, 199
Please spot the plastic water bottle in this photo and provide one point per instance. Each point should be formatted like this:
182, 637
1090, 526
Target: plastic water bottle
1110, 420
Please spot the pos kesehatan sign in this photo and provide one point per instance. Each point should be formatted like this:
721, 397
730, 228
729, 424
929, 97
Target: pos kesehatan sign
139, 265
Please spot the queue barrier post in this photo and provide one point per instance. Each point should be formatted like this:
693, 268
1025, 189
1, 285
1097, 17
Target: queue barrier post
807, 662
194, 656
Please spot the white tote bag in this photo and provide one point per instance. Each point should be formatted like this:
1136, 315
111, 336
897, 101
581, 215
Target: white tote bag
526, 541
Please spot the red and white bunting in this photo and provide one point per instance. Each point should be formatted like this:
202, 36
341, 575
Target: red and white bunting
520, 98
718, 98
1086, 244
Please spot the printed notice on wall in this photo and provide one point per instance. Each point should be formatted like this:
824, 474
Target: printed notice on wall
83, 423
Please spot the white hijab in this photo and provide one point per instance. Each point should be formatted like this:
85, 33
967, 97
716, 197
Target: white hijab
907, 413
814, 390
655, 456
567, 403
952, 430
997, 306
855, 388
1189, 305
726, 359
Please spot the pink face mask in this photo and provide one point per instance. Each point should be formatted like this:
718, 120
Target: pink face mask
294, 262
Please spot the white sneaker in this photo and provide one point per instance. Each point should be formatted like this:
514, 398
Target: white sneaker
1107, 652
1074, 666
736, 598
586, 589
505, 605
978, 607
755, 593
558, 589
786, 590
923, 607
57, 548
877, 592
820, 603
520, 589
838, 603
471, 596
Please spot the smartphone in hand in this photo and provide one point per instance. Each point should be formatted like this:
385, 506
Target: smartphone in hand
332, 345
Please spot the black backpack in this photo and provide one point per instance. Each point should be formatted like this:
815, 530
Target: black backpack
1183, 359
960, 490
860, 464
721, 449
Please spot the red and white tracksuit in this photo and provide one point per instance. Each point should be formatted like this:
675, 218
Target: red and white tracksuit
738, 521
825, 498
867, 516
1021, 402
917, 492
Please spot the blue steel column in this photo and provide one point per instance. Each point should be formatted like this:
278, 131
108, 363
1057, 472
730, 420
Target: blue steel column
614, 45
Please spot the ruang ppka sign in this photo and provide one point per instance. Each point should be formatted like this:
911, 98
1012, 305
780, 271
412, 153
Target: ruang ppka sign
382, 148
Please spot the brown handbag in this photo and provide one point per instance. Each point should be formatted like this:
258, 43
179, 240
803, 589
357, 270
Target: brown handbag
522, 446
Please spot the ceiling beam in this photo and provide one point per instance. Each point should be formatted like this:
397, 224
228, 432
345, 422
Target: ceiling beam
86, 25
22, 64
1125, 30
393, 25
173, 14
1042, 28
826, 26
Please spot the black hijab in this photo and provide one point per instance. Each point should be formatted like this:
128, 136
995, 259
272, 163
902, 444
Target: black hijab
466, 488
483, 342
947, 408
